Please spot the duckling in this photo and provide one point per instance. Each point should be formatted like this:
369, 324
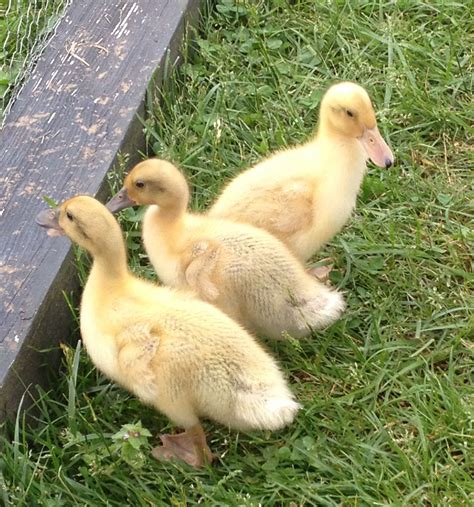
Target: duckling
244, 271
305, 194
179, 354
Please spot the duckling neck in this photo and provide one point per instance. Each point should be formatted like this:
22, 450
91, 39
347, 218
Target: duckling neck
110, 261
170, 222
172, 212
172, 215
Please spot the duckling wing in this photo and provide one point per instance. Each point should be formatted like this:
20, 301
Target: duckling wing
200, 269
283, 208
138, 345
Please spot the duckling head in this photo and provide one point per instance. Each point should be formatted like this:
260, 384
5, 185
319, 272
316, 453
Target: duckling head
153, 181
85, 221
346, 110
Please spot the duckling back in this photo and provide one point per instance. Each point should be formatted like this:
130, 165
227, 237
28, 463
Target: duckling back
277, 195
271, 290
248, 274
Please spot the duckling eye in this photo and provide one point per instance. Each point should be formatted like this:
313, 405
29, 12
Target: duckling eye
139, 184
69, 215
349, 113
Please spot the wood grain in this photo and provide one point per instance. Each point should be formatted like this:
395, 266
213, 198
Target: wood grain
76, 111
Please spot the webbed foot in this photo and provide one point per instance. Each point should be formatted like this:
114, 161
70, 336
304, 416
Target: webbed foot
190, 447
321, 272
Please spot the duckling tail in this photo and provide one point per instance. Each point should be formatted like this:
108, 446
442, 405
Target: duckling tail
265, 411
325, 308
321, 309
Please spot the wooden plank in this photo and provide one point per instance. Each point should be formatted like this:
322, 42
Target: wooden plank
76, 111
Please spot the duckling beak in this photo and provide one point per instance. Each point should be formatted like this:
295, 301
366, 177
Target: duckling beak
377, 149
120, 201
49, 219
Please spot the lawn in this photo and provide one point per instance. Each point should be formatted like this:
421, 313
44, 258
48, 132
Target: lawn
388, 390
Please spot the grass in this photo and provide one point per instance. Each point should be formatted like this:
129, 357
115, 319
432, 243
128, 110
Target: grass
387, 391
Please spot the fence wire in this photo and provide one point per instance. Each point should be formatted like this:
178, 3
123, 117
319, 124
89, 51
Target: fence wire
26, 26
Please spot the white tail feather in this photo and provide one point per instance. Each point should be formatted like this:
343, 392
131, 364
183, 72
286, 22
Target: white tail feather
325, 309
259, 411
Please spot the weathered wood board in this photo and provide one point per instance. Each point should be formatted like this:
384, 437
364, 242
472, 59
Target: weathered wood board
75, 112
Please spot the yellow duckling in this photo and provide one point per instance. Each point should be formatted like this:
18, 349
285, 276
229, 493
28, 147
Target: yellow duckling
305, 194
180, 355
244, 271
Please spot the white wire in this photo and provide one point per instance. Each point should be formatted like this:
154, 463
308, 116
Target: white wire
30, 24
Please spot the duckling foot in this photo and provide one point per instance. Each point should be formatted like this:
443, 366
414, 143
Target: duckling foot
190, 447
322, 272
